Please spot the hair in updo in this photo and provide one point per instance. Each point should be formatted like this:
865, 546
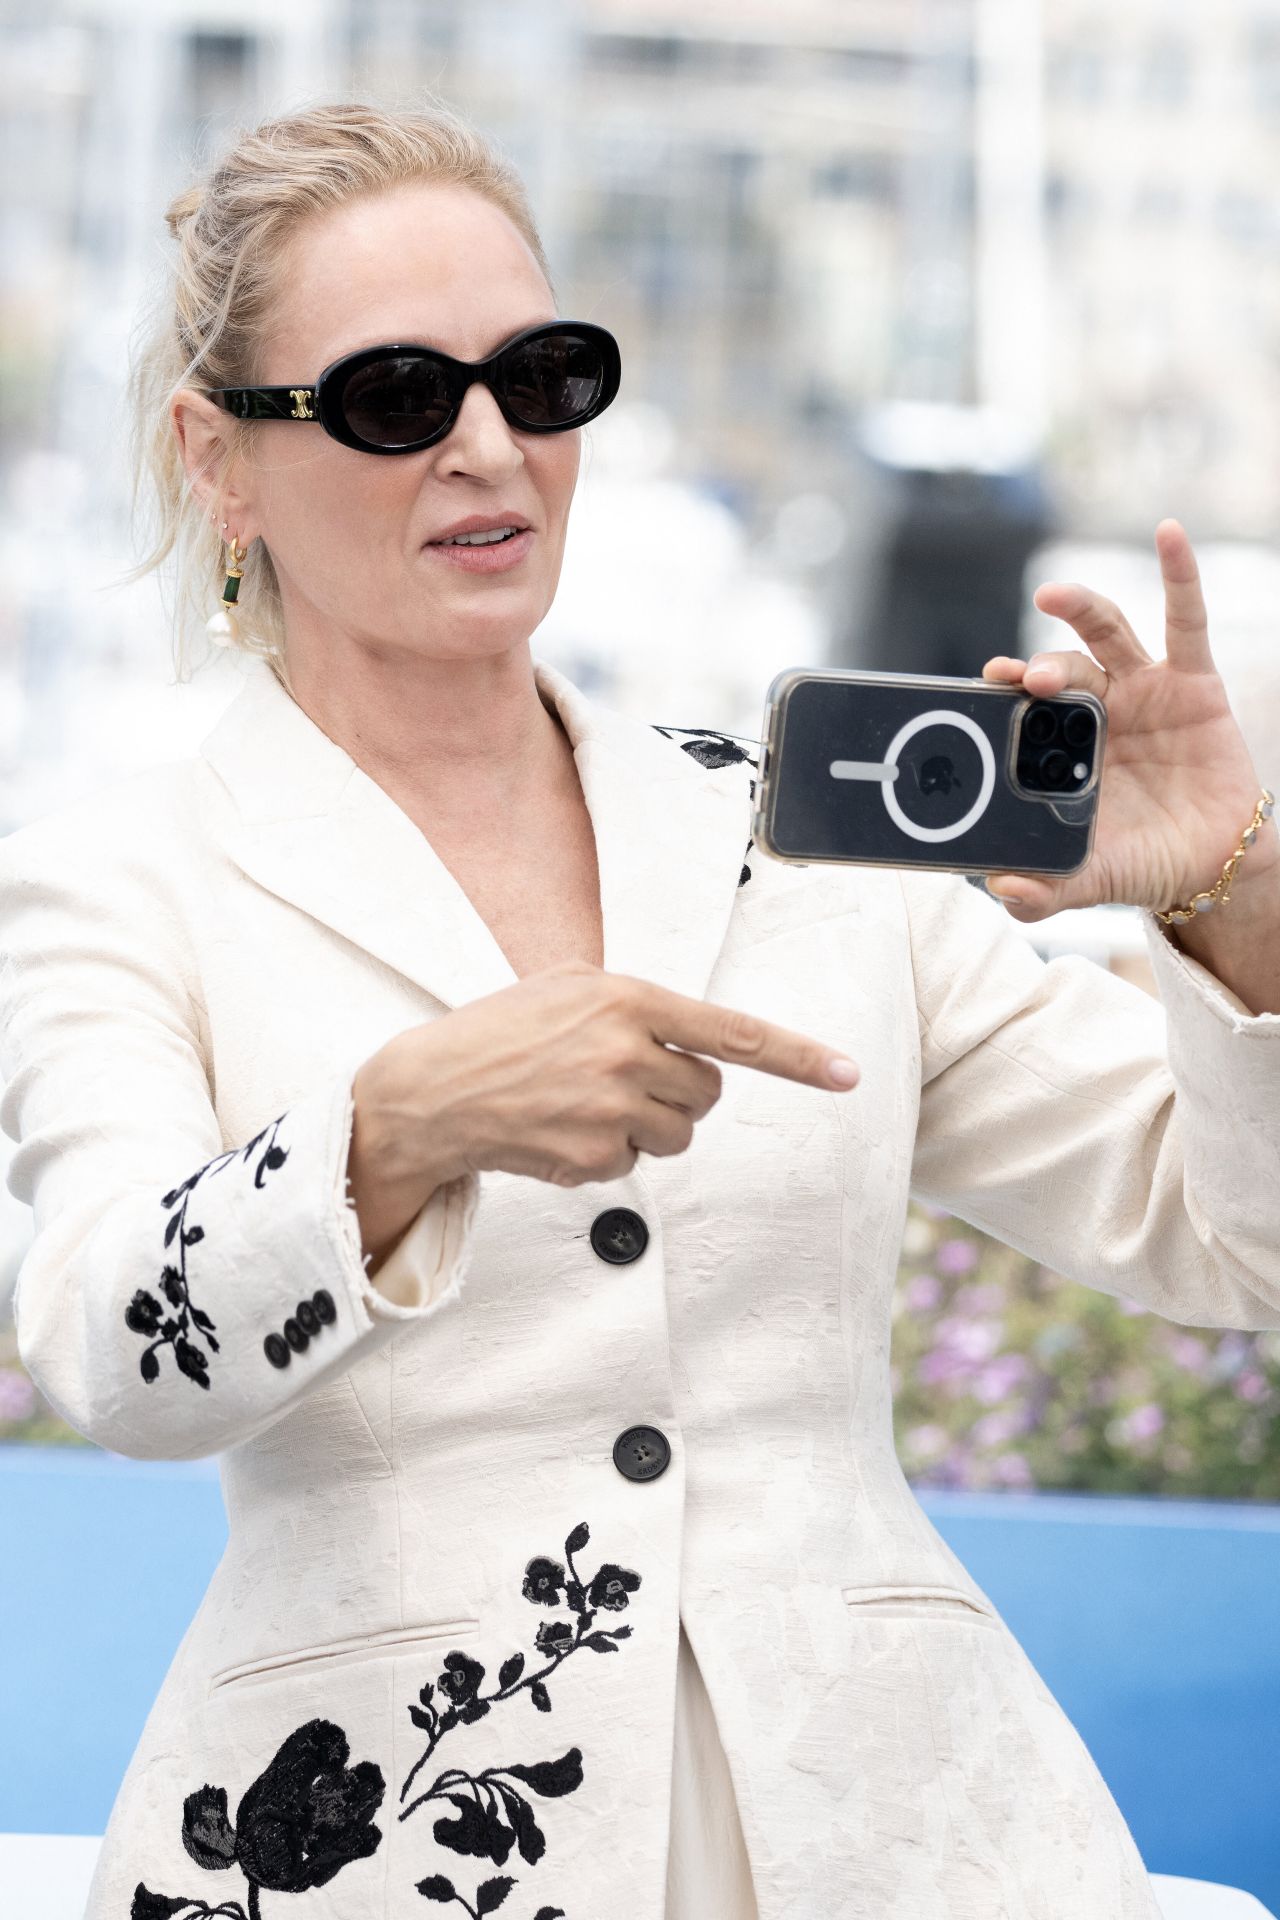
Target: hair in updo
212, 311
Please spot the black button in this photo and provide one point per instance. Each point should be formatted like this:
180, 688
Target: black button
641, 1453
276, 1351
619, 1235
322, 1301
297, 1336
307, 1317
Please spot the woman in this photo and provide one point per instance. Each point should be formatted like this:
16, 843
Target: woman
426, 1107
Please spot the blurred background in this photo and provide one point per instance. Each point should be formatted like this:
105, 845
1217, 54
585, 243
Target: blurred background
921, 302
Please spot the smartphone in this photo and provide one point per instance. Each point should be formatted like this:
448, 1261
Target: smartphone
913, 770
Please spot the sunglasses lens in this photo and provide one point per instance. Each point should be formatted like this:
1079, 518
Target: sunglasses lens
396, 402
552, 381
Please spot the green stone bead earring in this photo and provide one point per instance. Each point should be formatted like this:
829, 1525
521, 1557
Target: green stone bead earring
222, 626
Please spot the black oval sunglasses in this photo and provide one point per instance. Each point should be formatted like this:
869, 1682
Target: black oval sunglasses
395, 399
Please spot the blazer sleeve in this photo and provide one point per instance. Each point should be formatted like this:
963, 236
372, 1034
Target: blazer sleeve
164, 1258
1127, 1142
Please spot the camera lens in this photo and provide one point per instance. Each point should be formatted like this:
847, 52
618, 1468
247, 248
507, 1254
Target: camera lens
1078, 727
1040, 724
1055, 768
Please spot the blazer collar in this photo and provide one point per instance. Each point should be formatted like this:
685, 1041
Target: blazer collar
311, 826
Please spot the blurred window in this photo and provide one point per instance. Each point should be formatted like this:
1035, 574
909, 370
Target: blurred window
644, 52
870, 63
1069, 199
683, 53
1165, 75
1157, 203
218, 67
1245, 218
1077, 74
855, 176
1263, 62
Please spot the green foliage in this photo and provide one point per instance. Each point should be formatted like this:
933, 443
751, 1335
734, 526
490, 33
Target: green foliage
1006, 1375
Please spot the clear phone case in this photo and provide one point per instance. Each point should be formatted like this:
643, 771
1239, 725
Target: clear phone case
900, 770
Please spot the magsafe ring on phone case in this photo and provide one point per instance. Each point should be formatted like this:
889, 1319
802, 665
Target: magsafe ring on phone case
886, 768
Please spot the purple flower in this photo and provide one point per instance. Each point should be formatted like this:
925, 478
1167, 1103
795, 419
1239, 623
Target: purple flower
922, 1291
1012, 1470
926, 1439
942, 1367
1189, 1353
1251, 1386
17, 1395
956, 1256
976, 1340
1000, 1375
1143, 1423
995, 1428
984, 1297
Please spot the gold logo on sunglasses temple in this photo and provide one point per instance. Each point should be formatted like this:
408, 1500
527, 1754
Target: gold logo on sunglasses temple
301, 397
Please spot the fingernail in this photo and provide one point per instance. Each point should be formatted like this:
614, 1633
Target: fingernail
843, 1072
999, 893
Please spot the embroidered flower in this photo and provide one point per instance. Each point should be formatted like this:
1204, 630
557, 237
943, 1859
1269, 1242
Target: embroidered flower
490, 1895
711, 749
303, 1819
543, 1582
491, 1814
460, 1681
611, 1587
146, 1316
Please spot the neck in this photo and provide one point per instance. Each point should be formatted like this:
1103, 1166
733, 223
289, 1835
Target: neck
463, 739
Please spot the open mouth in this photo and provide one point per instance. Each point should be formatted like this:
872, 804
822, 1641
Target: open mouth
494, 539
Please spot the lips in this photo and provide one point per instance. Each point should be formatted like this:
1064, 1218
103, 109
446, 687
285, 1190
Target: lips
475, 524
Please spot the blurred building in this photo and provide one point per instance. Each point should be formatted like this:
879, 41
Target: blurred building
1054, 211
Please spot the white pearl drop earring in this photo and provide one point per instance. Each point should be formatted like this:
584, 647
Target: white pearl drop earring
222, 626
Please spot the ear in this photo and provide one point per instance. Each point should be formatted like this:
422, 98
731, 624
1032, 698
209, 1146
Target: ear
204, 434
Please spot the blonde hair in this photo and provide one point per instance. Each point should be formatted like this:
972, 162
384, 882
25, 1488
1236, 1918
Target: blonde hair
211, 312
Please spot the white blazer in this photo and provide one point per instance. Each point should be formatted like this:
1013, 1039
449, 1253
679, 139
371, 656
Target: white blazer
559, 1420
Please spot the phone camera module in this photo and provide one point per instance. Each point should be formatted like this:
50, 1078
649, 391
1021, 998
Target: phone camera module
1065, 765
1079, 727
1039, 726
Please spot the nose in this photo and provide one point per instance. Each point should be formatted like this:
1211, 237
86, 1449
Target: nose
480, 436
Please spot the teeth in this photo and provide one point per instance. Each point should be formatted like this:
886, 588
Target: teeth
480, 539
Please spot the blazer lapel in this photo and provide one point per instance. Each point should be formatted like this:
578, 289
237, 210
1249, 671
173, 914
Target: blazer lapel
313, 828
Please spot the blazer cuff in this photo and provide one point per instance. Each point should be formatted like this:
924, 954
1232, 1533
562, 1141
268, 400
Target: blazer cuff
1188, 986
426, 1266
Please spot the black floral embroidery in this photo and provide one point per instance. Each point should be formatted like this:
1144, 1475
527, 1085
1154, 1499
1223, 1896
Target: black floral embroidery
490, 1895
146, 1316
302, 1820
492, 1814
712, 749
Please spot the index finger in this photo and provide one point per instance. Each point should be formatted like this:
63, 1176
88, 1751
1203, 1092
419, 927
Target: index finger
1186, 619
728, 1033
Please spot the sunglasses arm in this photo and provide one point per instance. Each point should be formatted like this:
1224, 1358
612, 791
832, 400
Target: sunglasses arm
267, 403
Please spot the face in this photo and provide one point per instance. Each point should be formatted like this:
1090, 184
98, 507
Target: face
442, 267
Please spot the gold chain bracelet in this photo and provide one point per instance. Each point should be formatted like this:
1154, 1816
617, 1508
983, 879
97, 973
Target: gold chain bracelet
1203, 902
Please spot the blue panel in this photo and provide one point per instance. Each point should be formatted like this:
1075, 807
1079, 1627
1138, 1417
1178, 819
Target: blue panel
1155, 1623
106, 1561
